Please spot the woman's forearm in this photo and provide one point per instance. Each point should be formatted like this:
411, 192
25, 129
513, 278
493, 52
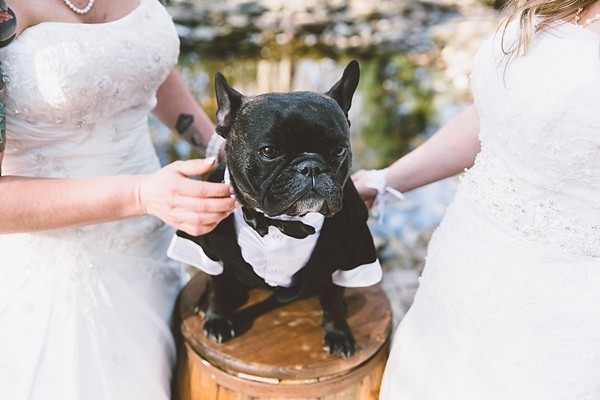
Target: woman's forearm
192, 205
180, 112
37, 204
447, 153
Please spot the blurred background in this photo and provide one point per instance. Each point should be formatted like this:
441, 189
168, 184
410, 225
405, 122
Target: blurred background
415, 58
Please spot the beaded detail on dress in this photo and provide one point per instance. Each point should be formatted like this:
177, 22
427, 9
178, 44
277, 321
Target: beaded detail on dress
540, 215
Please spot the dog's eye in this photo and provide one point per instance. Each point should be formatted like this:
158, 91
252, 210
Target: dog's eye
339, 151
269, 152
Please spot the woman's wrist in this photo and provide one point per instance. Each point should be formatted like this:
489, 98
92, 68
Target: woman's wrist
377, 179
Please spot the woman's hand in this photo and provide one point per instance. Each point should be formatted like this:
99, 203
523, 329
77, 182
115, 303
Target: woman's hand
190, 205
361, 179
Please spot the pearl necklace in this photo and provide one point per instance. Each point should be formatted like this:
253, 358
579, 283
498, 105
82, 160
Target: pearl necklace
77, 10
588, 21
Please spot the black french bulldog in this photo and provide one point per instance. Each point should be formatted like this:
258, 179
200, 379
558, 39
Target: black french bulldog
288, 154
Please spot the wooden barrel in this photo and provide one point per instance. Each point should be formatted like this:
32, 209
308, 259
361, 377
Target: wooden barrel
278, 353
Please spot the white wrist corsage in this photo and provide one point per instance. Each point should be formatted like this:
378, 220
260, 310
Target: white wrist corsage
385, 194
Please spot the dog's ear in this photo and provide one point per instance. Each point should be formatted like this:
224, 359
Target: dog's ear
229, 102
343, 90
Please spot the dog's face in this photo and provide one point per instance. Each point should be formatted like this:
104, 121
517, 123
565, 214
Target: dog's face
288, 153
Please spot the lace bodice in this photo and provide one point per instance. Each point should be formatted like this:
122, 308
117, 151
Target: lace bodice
75, 105
539, 168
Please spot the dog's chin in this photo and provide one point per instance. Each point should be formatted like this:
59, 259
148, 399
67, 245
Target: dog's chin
313, 203
305, 206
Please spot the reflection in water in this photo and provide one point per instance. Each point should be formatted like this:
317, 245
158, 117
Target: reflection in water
274, 75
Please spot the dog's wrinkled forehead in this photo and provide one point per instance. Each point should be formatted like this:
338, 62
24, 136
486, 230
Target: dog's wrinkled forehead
294, 113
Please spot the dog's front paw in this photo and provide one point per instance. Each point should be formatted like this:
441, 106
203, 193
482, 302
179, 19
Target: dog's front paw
218, 329
339, 342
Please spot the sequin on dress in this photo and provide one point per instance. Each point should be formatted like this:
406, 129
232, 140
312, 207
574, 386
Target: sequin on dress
508, 304
85, 313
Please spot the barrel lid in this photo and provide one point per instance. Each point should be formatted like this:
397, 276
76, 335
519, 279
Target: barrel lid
285, 343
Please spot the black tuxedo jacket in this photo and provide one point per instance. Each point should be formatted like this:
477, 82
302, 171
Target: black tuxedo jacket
345, 242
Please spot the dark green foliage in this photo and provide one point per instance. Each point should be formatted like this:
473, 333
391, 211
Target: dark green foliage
398, 106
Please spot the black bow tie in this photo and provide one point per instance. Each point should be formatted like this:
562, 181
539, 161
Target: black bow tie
261, 222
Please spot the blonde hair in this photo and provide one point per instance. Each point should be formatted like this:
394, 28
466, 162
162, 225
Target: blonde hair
544, 11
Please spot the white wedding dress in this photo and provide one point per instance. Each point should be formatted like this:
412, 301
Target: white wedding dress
508, 306
85, 313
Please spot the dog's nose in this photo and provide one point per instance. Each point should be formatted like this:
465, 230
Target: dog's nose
309, 168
